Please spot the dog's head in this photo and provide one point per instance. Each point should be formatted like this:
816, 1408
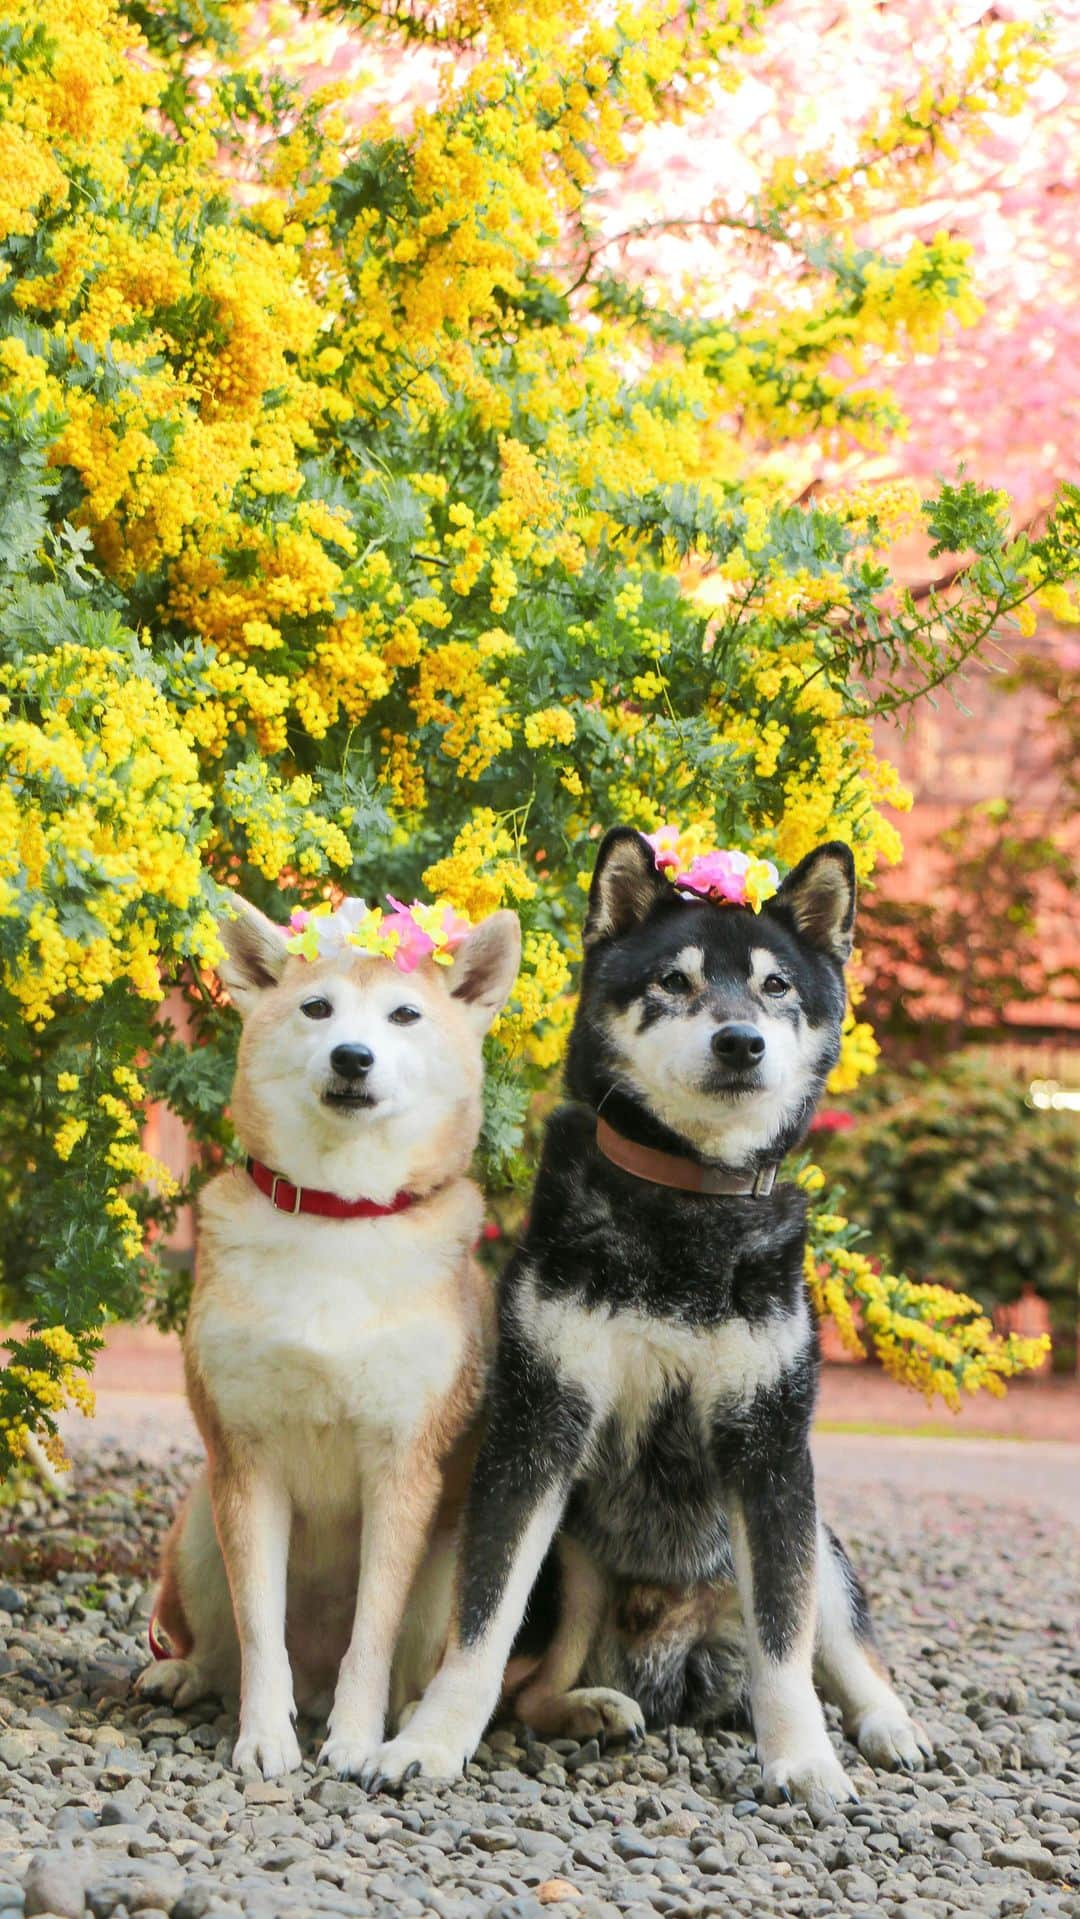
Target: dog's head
351, 1074
718, 1023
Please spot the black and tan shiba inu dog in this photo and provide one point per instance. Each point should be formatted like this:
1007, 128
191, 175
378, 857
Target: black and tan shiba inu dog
657, 1358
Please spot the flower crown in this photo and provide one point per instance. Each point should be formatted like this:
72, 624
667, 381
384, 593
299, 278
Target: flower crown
724, 875
407, 935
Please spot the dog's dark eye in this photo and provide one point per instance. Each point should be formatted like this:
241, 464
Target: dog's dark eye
775, 985
675, 982
316, 1008
405, 1015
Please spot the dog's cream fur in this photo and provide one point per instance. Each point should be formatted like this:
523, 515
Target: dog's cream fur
334, 1366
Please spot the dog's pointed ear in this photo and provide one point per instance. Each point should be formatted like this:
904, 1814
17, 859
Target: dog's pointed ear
819, 895
486, 966
625, 885
255, 955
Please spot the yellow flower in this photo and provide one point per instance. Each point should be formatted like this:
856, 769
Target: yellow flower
552, 726
67, 1137
811, 1179
759, 883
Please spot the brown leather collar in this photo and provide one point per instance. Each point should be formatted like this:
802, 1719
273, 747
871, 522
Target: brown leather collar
670, 1169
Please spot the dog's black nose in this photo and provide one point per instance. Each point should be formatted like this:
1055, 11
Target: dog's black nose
352, 1062
738, 1044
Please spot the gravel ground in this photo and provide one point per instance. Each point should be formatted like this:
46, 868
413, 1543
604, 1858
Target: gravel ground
115, 1807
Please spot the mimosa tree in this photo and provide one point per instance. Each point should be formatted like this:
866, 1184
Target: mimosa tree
362, 531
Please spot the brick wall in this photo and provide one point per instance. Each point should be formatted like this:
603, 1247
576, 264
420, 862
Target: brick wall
984, 744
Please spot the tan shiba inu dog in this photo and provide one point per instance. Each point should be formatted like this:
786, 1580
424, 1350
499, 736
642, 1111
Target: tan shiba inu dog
336, 1348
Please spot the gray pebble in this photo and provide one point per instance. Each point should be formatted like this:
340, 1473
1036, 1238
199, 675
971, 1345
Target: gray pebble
991, 1831
1025, 1854
633, 1845
54, 1884
1039, 1750
72, 1819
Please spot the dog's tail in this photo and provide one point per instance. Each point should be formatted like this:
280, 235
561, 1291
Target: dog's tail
703, 1685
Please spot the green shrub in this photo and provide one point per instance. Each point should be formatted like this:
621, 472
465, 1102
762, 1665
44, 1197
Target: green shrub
961, 1181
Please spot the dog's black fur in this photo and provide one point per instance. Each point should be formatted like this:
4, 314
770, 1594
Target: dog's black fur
655, 1513
651, 1468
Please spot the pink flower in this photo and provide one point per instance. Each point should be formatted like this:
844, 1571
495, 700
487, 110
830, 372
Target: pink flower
298, 918
665, 846
413, 943
456, 930
717, 876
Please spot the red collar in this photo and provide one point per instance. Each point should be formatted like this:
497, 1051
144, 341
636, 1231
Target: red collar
308, 1199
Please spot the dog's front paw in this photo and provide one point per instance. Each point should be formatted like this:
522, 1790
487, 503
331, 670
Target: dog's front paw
814, 1775
181, 1681
268, 1746
588, 1712
405, 1758
889, 1737
347, 1753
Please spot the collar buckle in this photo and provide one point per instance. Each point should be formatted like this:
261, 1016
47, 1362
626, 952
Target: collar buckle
298, 1195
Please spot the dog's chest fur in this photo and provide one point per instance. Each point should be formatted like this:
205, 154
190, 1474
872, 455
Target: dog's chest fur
322, 1324
632, 1365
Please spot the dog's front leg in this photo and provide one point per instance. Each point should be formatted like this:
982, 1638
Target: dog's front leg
399, 1508
253, 1517
536, 1434
773, 1524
